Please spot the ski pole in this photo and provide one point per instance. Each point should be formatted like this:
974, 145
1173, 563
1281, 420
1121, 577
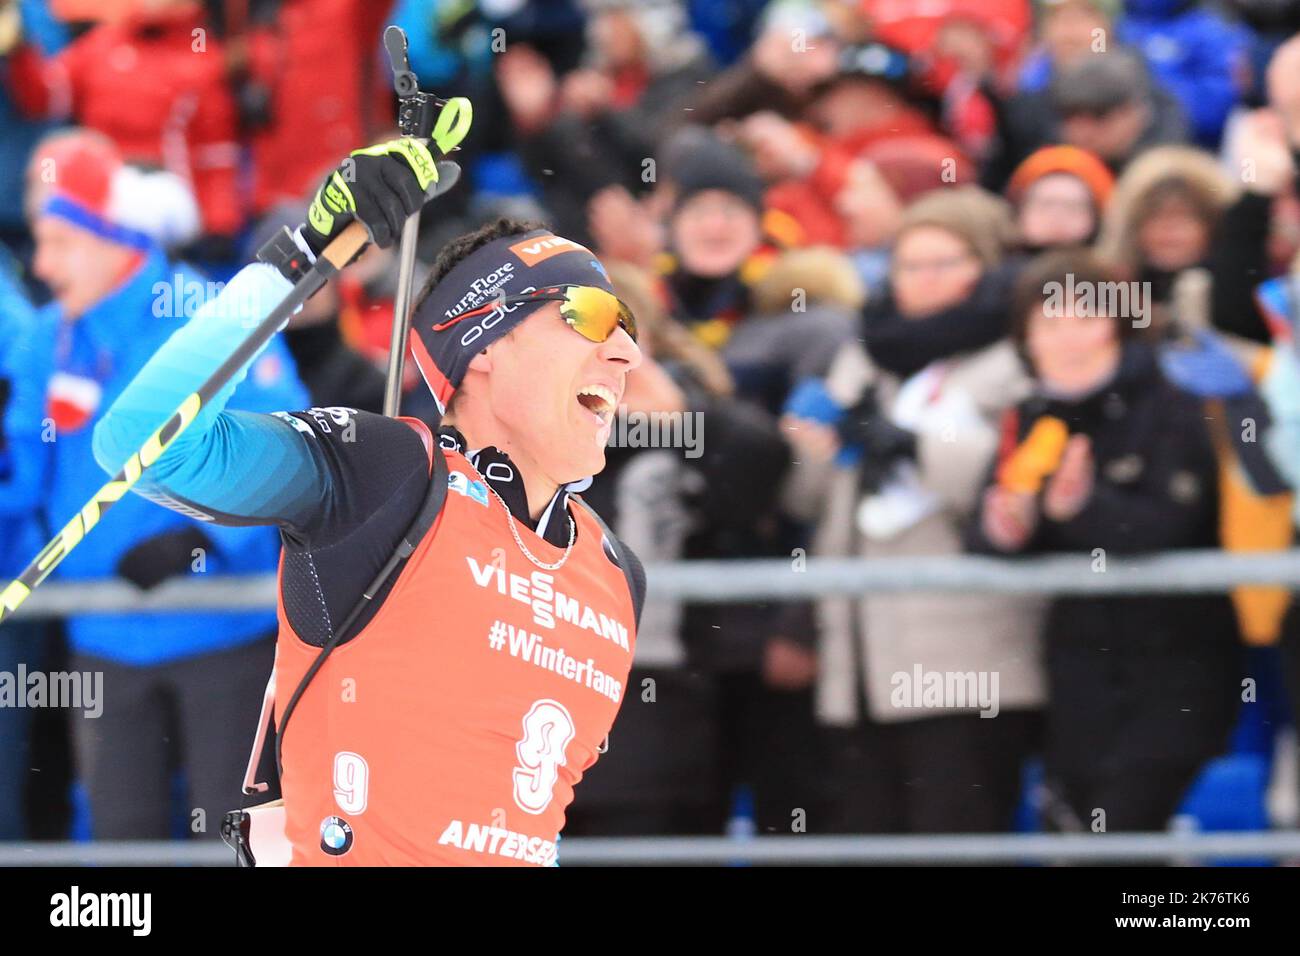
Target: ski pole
421, 116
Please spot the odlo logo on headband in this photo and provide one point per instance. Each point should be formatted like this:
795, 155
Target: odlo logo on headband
541, 248
493, 316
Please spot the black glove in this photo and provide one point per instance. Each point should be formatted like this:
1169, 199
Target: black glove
882, 442
154, 560
381, 185
866, 425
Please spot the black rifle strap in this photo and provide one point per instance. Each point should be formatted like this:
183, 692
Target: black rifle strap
424, 520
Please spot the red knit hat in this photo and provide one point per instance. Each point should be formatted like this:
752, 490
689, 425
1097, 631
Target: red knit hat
1063, 159
82, 178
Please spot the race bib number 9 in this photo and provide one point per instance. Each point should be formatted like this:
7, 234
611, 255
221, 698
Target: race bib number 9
548, 728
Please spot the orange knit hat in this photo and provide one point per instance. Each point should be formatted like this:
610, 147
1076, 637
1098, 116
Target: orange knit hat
1062, 159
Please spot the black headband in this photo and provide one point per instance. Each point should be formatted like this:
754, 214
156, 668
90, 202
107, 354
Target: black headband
512, 265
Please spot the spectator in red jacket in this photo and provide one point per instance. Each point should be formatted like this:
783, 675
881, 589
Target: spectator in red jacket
312, 88
154, 84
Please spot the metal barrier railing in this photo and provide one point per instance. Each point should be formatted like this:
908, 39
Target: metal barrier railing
1208, 571
778, 579
1012, 848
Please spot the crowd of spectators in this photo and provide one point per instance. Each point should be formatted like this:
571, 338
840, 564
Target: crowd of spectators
999, 277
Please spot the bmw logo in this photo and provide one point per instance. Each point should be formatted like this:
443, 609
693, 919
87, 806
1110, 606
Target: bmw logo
335, 836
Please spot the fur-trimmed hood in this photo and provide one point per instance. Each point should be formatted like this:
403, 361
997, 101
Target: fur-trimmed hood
817, 275
1198, 170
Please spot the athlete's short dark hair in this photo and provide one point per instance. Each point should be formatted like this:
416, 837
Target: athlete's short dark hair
460, 248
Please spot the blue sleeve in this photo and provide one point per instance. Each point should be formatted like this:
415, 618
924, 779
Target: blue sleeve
1280, 389
272, 385
238, 467
24, 457
41, 27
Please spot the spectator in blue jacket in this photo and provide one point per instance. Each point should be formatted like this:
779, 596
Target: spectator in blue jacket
23, 466
1195, 54
181, 687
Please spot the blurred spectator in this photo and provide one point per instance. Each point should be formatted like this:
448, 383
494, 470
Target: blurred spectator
183, 688
717, 252
1280, 388
1177, 222
878, 98
1194, 53
962, 48
599, 125
627, 229
892, 449
1106, 103
648, 783
931, 27
1269, 23
1059, 193
309, 83
728, 28
797, 48
1109, 459
162, 61
1284, 100
30, 19
715, 234
1067, 32
24, 461
763, 672
1175, 209
868, 148
949, 282
803, 309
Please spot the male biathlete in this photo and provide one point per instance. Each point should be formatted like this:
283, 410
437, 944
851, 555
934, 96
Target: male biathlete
447, 719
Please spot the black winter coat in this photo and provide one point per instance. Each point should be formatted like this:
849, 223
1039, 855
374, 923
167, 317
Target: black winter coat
1151, 680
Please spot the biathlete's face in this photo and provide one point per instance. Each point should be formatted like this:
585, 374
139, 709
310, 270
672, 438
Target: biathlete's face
554, 393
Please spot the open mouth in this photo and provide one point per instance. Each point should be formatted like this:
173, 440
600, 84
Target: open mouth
599, 402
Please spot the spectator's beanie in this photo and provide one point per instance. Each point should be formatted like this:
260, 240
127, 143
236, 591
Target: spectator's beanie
457, 320
80, 177
702, 162
876, 61
1071, 160
1099, 83
979, 218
